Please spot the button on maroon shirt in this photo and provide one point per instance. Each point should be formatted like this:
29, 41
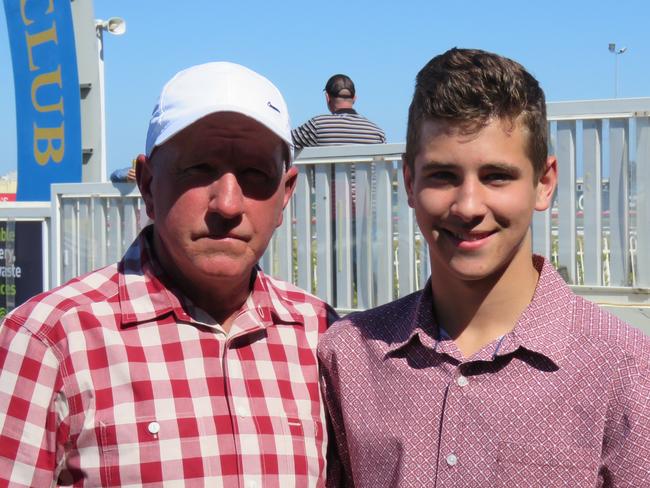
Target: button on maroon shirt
561, 401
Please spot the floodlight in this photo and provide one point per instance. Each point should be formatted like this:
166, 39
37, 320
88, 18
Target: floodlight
114, 25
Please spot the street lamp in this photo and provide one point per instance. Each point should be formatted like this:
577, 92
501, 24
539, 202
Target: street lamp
616, 53
117, 27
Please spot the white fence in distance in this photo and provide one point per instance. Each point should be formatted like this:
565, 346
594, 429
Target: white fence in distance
349, 236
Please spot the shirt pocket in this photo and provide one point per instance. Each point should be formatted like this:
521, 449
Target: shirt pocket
537, 466
304, 439
282, 444
149, 451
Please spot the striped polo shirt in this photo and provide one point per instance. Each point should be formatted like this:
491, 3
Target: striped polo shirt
345, 126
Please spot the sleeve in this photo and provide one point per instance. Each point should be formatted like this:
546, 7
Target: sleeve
338, 464
120, 175
305, 135
29, 378
626, 443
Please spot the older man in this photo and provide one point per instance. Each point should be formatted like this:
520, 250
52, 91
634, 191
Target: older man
184, 363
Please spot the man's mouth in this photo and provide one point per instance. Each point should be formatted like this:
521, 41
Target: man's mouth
223, 236
470, 236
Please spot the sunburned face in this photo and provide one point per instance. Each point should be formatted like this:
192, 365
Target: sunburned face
216, 192
474, 197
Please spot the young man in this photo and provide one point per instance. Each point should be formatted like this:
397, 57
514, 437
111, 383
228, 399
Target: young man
495, 374
184, 364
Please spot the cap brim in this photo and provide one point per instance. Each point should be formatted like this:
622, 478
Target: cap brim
181, 123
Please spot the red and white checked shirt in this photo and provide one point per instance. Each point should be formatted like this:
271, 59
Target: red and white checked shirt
561, 401
108, 381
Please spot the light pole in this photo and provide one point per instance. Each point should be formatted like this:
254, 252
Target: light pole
616, 53
117, 27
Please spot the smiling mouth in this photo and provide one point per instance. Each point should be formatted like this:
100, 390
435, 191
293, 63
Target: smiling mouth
467, 236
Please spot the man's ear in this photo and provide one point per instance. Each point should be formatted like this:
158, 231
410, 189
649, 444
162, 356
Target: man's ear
408, 182
144, 178
290, 180
546, 185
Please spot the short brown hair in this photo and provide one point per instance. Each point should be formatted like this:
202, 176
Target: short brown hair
468, 88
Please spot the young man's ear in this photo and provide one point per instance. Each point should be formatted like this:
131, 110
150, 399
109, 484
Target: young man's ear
144, 177
546, 184
407, 173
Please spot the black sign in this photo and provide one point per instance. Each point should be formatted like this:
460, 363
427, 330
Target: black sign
21, 262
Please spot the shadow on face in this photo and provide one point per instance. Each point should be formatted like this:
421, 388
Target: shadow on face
221, 144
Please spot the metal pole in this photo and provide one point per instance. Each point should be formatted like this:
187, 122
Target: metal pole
615, 74
102, 101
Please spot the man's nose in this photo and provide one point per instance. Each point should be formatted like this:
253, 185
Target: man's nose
226, 196
469, 201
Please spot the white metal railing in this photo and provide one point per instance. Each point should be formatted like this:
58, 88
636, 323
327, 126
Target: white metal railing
93, 224
600, 141
350, 237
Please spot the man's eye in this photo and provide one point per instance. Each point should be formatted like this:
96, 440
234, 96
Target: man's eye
254, 174
197, 168
498, 177
442, 176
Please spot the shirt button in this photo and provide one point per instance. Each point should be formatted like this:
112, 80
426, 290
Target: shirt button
153, 428
242, 410
260, 312
462, 381
452, 459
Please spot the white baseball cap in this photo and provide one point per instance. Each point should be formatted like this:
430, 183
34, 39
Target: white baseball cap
217, 87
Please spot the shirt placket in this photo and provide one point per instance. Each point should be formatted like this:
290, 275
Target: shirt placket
452, 463
242, 415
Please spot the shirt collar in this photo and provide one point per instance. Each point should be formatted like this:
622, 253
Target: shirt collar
420, 326
345, 111
145, 293
542, 328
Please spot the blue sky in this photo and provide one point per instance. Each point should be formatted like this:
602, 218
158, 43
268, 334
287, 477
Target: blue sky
380, 44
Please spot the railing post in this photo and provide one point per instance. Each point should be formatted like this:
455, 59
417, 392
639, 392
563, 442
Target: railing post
343, 236
384, 258
406, 240
302, 206
618, 202
324, 288
364, 240
566, 154
592, 190
643, 201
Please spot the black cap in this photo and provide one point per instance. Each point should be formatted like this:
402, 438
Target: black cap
340, 86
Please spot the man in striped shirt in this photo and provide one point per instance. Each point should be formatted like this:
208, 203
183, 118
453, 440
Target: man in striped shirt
183, 364
343, 126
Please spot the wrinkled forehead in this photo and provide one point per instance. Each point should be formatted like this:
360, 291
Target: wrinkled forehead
225, 133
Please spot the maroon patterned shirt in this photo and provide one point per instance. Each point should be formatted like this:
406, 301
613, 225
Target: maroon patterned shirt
561, 401
110, 381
